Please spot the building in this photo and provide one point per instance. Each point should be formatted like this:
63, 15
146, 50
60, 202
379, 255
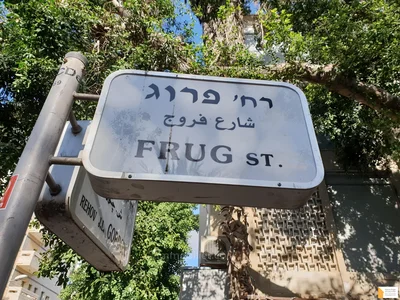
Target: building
199, 284
344, 243
23, 284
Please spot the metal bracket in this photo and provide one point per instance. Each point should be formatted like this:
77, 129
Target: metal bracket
66, 161
75, 127
55, 188
78, 96
87, 97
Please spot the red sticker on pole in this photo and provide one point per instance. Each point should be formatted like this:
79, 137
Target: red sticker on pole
8, 192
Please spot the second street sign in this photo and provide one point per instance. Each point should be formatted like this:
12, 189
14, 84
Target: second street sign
98, 229
171, 137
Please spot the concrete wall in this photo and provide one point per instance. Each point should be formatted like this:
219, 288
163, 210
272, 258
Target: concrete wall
345, 242
203, 284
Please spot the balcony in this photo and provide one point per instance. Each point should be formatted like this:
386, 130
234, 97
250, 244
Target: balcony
35, 234
19, 293
28, 261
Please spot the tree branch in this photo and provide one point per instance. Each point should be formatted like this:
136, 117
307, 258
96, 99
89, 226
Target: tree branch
328, 76
158, 39
367, 94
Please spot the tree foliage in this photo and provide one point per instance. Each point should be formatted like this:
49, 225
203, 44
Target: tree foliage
34, 37
354, 48
345, 55
158, 250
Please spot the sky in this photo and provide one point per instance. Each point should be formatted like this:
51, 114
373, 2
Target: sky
185, 14
192, 259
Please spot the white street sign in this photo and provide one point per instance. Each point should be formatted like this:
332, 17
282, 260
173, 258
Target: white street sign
108, 223
99, 229
172, 137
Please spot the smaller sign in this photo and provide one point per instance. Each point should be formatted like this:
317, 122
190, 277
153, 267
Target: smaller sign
109, 223
98, 229
8, 192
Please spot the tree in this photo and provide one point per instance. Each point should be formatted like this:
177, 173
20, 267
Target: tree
158, 250
35, 35
343, 54
348, 51
345, 57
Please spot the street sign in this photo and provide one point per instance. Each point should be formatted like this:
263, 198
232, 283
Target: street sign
98, 229
172, 137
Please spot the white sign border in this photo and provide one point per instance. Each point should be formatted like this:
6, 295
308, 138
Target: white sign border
201, 179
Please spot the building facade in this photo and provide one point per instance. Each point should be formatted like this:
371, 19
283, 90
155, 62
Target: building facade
345, 242
23, 283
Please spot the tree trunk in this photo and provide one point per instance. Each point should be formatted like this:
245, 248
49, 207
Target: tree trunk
222, 27
235, 228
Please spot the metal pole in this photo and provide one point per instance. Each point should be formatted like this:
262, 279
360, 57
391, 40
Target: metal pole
54, 187
65, 161
32, 168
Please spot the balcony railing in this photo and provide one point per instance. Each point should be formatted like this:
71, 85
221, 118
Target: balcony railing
28, 261
19, 293
35, 234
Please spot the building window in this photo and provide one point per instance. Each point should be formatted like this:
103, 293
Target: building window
47, 298
29, 287
41, 296
35, 290
23, 283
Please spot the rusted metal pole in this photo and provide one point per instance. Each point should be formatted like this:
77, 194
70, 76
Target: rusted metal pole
21, 196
